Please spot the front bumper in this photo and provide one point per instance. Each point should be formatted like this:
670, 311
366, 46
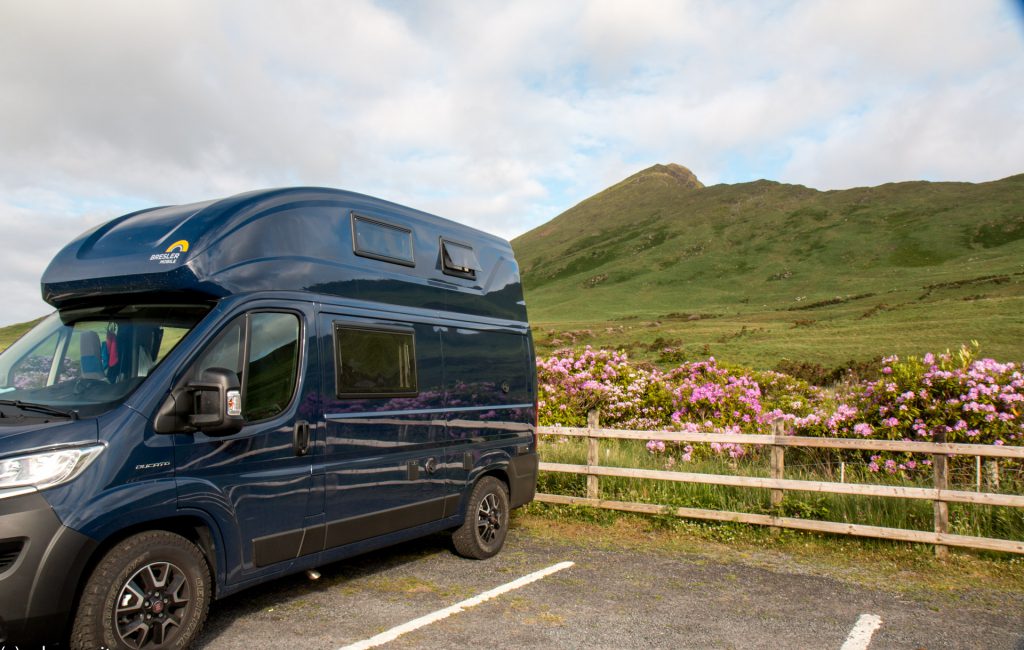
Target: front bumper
41, 562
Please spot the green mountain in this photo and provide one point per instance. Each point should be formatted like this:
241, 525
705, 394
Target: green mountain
761, 272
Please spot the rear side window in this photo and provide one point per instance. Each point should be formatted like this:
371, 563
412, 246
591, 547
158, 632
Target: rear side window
382, 241
458, 260
374, 363
269, 372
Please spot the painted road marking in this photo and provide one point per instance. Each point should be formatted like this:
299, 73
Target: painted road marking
860, 635
395, 632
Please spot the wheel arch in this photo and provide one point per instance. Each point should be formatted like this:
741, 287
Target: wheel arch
499, 472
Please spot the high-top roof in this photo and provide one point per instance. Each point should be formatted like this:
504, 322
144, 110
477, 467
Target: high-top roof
294, 239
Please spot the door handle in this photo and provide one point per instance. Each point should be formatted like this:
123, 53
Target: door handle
300, 438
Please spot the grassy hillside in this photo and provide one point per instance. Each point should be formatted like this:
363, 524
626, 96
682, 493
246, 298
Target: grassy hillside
12, 333
760, 272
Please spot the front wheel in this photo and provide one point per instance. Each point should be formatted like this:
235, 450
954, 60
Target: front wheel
483, 531
152, 590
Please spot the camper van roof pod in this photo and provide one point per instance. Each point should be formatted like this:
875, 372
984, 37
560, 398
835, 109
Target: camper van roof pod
318, 240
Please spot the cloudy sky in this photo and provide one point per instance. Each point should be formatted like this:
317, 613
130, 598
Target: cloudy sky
498, 114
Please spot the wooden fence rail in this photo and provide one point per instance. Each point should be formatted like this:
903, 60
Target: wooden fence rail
940, 494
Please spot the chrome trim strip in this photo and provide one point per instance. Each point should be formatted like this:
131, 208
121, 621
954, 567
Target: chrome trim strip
457, 409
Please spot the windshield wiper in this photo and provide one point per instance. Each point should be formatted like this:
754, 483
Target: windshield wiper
39, 408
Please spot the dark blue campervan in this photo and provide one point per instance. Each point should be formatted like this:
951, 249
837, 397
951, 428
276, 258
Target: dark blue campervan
235, 390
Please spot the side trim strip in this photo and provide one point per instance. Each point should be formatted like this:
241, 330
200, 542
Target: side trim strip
277, 547
457, 409
291, 544
355, 529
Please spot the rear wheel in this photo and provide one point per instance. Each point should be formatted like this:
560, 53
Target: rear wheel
483, 531
152, 590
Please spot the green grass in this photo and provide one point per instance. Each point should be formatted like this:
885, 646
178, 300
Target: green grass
759, 272
810, 464
833, 335
12, 333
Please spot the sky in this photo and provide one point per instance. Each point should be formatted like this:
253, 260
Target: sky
498, 114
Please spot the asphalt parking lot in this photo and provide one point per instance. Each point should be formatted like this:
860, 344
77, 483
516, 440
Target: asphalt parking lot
608, 598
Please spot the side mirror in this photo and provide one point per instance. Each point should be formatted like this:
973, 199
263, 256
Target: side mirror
212, 405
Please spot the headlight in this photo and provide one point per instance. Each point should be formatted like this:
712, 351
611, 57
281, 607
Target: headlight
44, 469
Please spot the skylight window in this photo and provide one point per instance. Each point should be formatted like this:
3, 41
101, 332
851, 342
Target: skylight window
458, 260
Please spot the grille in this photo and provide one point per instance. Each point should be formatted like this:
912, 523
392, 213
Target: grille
9, 552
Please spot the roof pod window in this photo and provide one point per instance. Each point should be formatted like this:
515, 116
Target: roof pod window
458, 260
382, 241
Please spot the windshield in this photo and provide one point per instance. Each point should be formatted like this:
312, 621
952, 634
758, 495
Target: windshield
89, 360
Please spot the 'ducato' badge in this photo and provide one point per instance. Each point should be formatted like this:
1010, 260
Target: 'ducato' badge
171, 255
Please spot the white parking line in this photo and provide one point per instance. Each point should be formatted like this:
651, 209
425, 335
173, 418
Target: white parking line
860, 636
395, 632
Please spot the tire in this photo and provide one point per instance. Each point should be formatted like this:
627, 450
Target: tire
485, 526
125, 580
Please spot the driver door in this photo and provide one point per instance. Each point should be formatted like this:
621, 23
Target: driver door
262, 474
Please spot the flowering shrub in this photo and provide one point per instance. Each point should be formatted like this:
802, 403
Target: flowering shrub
705, 393
570, 384
955, 397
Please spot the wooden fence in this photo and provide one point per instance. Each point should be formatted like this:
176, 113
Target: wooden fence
940, 495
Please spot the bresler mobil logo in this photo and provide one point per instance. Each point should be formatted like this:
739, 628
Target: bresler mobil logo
171, 255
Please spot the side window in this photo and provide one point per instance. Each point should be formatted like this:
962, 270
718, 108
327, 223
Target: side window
273, 363
225, 352
377, 363
269, 373
34, 368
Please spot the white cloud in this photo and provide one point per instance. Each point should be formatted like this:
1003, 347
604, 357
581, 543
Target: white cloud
31, 237
493, 113
965, 133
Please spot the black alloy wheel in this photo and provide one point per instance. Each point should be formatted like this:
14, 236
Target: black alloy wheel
483, 531
151, 590
152, 605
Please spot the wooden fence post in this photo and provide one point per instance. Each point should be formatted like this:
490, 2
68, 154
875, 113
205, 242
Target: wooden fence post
993, 474
593, 452
940, 469
778, 469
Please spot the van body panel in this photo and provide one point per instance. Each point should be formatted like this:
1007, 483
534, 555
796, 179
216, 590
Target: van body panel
490, 407
43, 433
131, 481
